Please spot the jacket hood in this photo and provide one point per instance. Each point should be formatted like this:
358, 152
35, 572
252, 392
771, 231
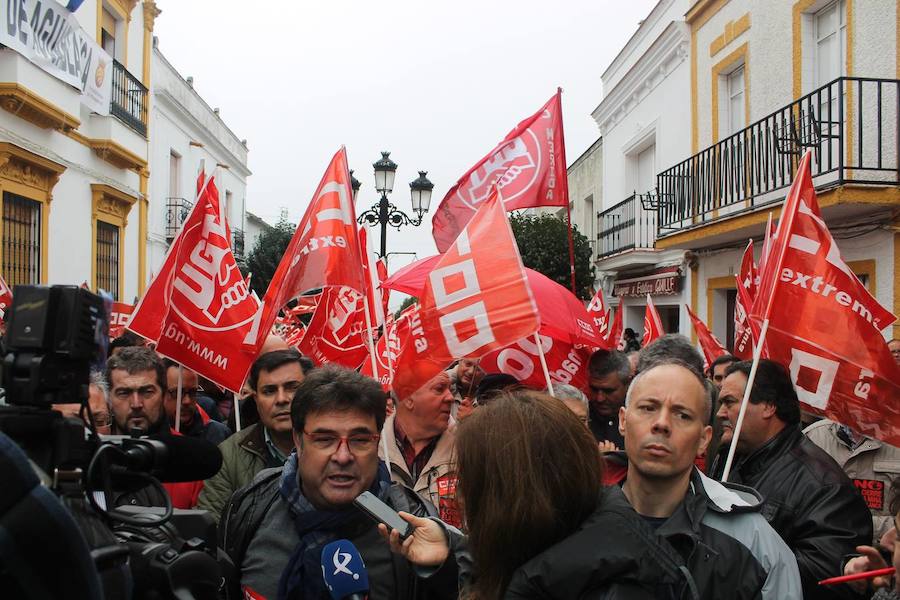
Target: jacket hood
727, 497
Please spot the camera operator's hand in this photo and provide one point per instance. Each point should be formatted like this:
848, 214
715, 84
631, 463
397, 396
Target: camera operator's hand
426, 546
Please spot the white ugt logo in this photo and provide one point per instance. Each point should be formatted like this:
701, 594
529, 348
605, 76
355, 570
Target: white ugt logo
341, 560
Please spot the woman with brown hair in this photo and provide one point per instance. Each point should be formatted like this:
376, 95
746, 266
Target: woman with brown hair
539, 524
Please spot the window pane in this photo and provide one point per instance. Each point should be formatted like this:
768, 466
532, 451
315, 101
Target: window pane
736, 107
21, 240
108, 258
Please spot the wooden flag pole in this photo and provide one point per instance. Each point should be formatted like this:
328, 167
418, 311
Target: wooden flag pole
757, 352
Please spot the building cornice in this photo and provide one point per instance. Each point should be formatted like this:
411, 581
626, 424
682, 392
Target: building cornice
171, 102
666, 53
158, 53
638, 36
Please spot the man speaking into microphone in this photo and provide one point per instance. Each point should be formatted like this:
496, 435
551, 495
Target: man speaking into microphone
275, 529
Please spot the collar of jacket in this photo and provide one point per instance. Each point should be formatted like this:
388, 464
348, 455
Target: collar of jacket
760, 459
442, 453
253, 440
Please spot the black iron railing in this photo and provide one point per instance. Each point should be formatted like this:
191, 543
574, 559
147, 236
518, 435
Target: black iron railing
237, 242
129, 99
852, 124
625, 226
177, 211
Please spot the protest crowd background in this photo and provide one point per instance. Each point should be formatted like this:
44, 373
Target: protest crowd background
504, 434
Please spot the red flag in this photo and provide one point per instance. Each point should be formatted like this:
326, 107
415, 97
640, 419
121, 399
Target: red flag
768, 240
119, 317
614, 339
381, 269
653, 327
387, 350
712, 348
566, 362
6, 297
373, 290
476, 300
823, 323
529, 166
323, 252
198, 307
746, 286
599, 313
337, 330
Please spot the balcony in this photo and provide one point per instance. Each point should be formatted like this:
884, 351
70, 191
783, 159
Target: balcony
237, 243
850, 123
129, 99
625, 226
177, 211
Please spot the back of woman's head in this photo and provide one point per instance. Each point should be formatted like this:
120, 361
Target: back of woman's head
529, 475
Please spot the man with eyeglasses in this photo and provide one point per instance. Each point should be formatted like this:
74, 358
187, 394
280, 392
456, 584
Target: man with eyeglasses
274, 529
193, 419
274, 377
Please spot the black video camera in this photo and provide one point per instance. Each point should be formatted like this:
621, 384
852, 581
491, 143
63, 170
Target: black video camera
53, 337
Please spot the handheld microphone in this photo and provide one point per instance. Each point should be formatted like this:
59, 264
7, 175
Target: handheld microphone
344, 571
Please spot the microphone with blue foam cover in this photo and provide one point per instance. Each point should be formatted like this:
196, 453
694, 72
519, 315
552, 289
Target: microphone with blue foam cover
344, 571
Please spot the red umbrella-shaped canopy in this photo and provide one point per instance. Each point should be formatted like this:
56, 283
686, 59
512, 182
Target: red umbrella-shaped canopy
563, 316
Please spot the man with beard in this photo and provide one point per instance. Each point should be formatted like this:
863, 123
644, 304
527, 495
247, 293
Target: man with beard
137, 378
609, 374
464, 379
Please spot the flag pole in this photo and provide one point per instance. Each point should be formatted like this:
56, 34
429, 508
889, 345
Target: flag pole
178, 400
236, 409
537, 342
564, 185
371, 344
757, 352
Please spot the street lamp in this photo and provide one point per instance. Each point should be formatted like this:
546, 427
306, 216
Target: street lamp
384, 213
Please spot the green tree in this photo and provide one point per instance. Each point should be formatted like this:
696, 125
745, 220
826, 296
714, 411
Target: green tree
266, 254
408, 302
544, 245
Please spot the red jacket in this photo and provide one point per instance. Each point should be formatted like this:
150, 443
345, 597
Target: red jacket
184, 494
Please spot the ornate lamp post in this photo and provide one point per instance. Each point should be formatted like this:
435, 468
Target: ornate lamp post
384, 213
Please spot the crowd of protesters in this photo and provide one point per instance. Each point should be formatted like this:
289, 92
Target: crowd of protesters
614, 491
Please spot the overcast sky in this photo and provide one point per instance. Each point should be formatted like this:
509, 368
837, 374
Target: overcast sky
438, 84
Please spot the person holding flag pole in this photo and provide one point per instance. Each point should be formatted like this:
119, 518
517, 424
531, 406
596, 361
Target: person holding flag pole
809, 500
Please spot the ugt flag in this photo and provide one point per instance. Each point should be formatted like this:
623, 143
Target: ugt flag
824, 325
529, 167
198, 307
324, 250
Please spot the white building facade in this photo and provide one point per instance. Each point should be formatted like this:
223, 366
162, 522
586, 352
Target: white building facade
185, 132
73, 174
643, 124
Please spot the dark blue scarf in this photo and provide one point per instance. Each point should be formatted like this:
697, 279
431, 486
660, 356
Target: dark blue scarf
315, 528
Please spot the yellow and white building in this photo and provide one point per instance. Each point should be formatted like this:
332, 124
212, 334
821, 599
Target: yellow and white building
770, 79
83, 197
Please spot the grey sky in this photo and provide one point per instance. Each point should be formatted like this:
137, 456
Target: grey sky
438, 84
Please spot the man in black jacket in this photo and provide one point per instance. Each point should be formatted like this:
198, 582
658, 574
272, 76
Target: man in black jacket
808, 499
728, 547
275, 528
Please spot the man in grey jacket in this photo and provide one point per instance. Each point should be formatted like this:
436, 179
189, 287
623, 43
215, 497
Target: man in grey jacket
274, 530
730, 549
